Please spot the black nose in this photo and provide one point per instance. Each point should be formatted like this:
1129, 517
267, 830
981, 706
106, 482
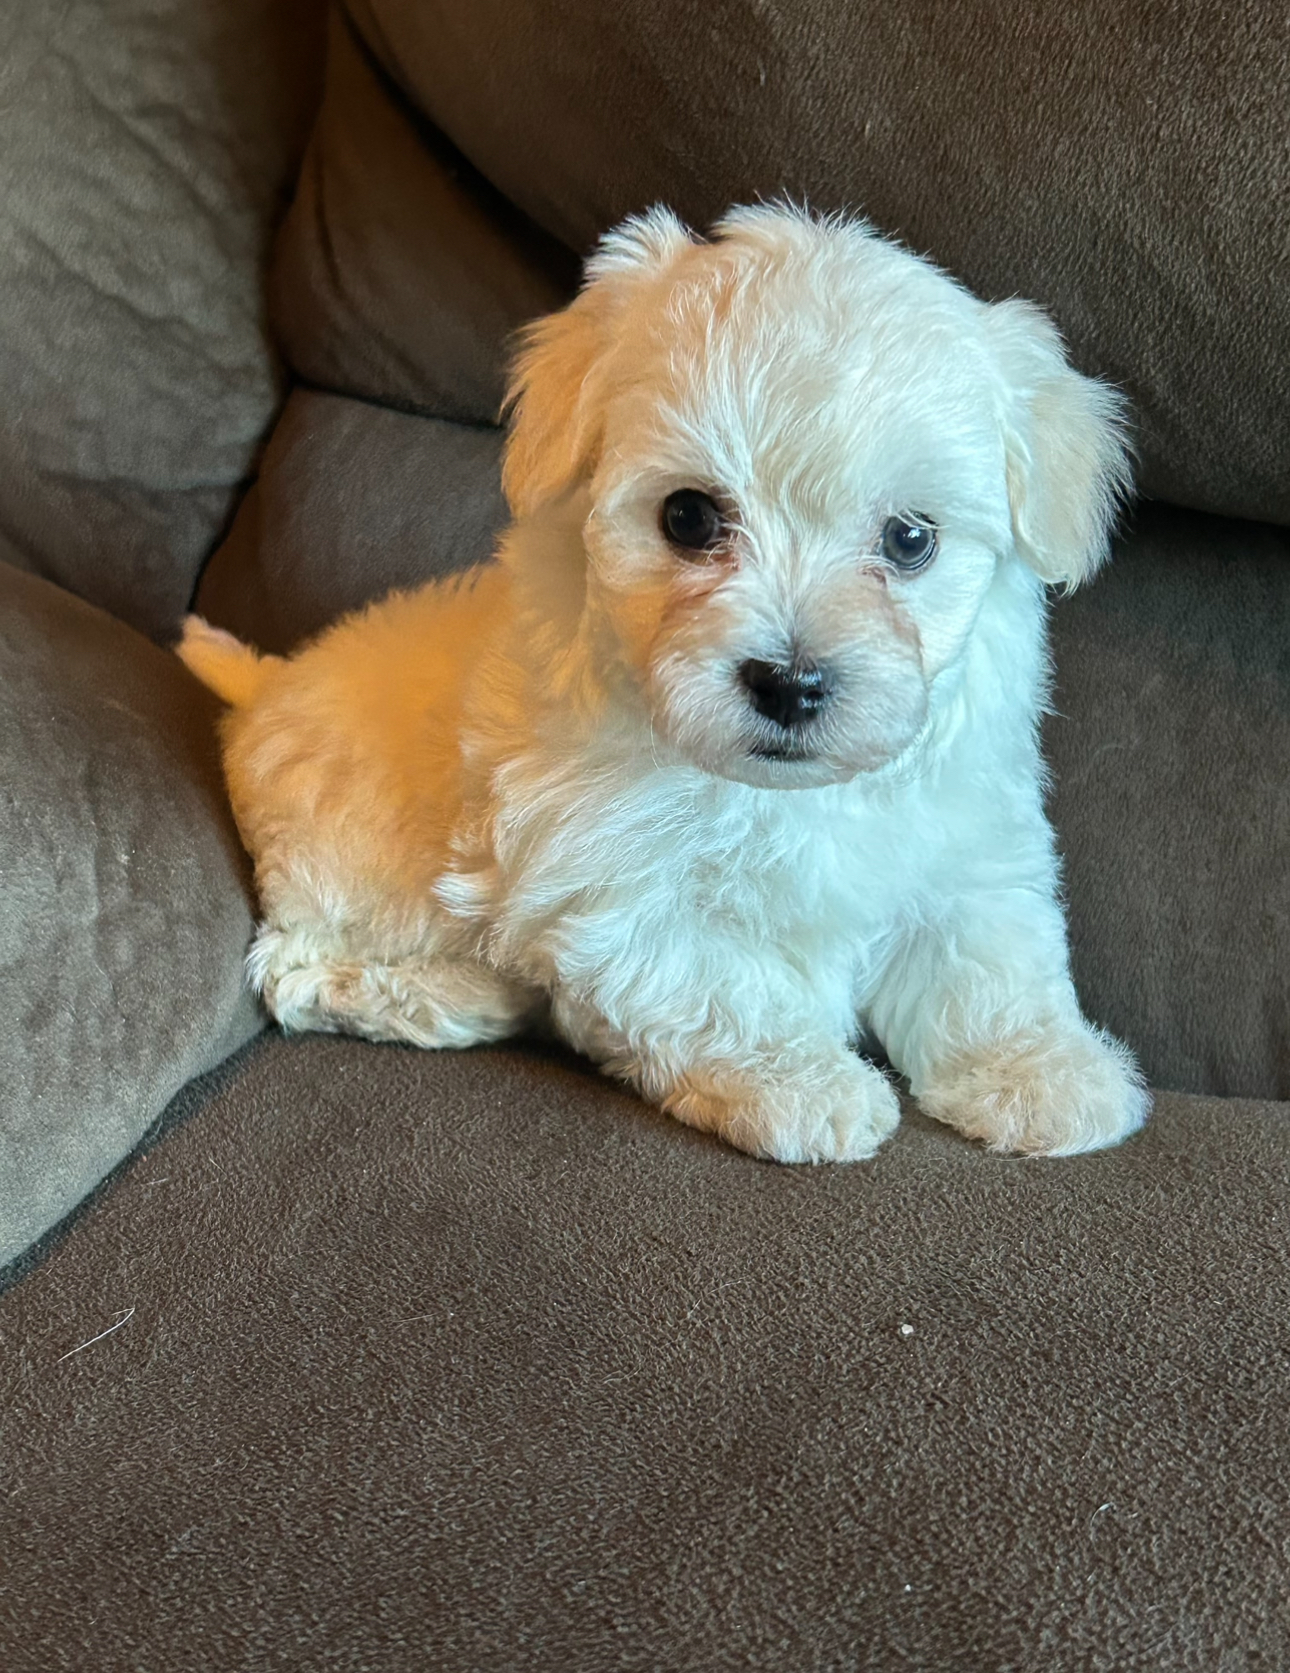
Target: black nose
787, 695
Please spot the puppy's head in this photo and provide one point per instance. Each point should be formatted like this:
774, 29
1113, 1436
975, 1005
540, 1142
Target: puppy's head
804, 451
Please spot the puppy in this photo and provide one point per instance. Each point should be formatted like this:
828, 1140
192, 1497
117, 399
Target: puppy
729, 764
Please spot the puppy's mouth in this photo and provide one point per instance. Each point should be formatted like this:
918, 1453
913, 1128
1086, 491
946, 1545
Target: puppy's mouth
780, 752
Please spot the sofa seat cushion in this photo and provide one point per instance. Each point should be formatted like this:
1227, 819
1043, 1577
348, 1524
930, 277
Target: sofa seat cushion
473, 1362
124, 898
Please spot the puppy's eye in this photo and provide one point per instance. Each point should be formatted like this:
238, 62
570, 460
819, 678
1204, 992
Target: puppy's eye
692, 520
908, 543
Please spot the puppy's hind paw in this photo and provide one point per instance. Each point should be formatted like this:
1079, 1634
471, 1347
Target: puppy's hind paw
795, 1107
429, 1002
1053, 1091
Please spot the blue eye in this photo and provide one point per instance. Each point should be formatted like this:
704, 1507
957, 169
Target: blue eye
908, 543
692, 520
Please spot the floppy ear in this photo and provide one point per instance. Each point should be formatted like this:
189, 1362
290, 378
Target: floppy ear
1068, 459
557, 389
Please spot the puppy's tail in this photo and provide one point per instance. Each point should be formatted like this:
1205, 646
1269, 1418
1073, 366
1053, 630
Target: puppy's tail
232, 670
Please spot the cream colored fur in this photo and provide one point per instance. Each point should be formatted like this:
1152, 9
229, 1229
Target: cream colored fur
532, 793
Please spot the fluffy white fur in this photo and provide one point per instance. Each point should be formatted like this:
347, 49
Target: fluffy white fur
529, 794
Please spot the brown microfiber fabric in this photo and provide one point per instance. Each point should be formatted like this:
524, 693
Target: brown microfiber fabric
146, 149
1124, 166
474, 1363
1170, 747
402, 274
352, 500
124, 904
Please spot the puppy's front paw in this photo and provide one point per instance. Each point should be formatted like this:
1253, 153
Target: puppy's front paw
1052, 1092
792, 1107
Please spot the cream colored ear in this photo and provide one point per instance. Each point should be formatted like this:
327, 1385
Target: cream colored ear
554, 436
557, 389
1068, 459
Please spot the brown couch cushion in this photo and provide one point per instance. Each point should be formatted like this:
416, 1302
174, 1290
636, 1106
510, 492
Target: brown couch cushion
124, 897
352, 500
403, 272
145, 152
1170, 744
1119, 165
472, 1363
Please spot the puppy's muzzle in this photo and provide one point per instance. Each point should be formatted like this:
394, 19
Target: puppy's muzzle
789, 694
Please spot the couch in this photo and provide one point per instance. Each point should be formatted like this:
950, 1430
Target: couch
321, 1354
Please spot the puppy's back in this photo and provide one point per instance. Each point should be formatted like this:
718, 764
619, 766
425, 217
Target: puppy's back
343, 761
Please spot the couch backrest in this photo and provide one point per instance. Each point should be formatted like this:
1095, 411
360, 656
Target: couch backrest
1126, 166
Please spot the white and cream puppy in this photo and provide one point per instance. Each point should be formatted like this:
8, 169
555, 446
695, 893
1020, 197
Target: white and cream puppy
729, 765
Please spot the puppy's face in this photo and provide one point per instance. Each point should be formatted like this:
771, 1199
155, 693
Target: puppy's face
805, 451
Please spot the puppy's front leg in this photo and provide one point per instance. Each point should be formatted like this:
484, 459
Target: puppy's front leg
802, 1099
980, 1013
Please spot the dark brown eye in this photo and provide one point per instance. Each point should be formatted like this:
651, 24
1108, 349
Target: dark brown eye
692, 520
908, 543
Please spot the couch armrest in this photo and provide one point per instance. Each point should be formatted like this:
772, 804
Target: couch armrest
124, 898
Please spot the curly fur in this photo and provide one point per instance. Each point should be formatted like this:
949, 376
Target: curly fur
543, 792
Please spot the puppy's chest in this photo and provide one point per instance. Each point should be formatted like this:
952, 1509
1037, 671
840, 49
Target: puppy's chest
803, 870
825, 883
